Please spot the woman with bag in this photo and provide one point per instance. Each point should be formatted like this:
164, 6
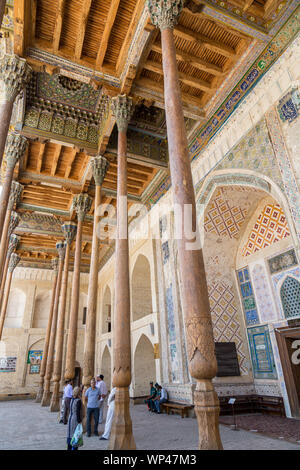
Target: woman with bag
74, 421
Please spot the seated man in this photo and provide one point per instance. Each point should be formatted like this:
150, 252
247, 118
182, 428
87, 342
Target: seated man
161, 398
152, 395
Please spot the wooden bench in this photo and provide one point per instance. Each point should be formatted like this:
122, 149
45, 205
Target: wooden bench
172, 407
269, 404
245, 404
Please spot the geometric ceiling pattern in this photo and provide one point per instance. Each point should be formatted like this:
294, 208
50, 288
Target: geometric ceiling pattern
223, 218
270, 227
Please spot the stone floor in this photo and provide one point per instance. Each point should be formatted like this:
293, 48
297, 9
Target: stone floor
26, 425
272, 426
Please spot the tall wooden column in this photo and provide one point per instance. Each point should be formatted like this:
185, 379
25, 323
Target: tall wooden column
99, 167
15, 148
13, 262
39, 396
50, 356
195, 301
82, 204
13, 243
2, 10
14, 76
121, 434
69, 230
10, 222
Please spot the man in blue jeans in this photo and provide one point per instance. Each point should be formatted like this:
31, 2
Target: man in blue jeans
93, 395
161, 398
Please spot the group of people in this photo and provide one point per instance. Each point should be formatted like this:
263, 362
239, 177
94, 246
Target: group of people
94, 396
158, 395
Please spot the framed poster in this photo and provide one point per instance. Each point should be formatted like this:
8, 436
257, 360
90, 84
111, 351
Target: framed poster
35, 357
34, 368
8, 364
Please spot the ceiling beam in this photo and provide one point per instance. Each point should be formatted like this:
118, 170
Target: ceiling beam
70, 163
86, 5
248, 4
56, 156
193, 60
22, 26
58, 25
193, 36
40, 157
183, 77
111, 16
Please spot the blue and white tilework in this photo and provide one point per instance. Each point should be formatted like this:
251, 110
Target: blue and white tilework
248, 299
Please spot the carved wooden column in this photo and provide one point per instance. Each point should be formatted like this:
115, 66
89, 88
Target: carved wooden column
121, 434
50, 356
82, 204
2, 10
99, 167
14, 76
13, 262
195, 301
15, 148
39, 396
13, 243
69, 230
10, 222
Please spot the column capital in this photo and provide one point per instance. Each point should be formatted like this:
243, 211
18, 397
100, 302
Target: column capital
14, 74
13, 262
14, 222
15, 148
69, 230
13, 243
54, 264
82, 204
122, 109
99, 166
165, 13
15, 194
61, 248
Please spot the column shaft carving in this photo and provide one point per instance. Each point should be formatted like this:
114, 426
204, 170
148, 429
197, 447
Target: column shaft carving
50, 357
13, 243
121, 434
69, 230
13, 262
99, 167
14, 75
82, 204
195, 301
39, 396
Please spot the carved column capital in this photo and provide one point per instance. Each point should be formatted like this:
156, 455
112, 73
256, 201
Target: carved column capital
14, 222
69, 230
15, 148
61, 248
14, 75
165, 13
82, 204
13, 262
99, 166
122, 109
15, 194
54, 264
13, 243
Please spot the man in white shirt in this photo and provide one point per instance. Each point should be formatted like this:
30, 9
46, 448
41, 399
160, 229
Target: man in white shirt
110, 415
101, 385
68, 394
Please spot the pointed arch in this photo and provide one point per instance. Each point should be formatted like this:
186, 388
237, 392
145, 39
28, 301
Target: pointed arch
106, 367
144, 366
141, 288
106, 311
15, 308
42, 306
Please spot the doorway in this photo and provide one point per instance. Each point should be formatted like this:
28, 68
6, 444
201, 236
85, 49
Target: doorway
287, 345
77, 378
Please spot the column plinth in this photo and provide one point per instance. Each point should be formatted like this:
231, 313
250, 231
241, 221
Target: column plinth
39, 396
50, 359
81, 204
69, 230
121, 434
195, 300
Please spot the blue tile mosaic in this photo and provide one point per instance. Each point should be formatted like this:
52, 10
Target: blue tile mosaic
170, 313
248, 299
290, 297
166, 252
261, 353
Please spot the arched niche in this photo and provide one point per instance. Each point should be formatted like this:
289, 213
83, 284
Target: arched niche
42, 306
106, 311
15, 308
290, 297
141, 289
82, 309
144, 366
106, 367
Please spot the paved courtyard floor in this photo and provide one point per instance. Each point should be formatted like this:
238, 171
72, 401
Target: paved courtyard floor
26, 425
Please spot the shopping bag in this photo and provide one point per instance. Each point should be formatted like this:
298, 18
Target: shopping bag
77, 439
